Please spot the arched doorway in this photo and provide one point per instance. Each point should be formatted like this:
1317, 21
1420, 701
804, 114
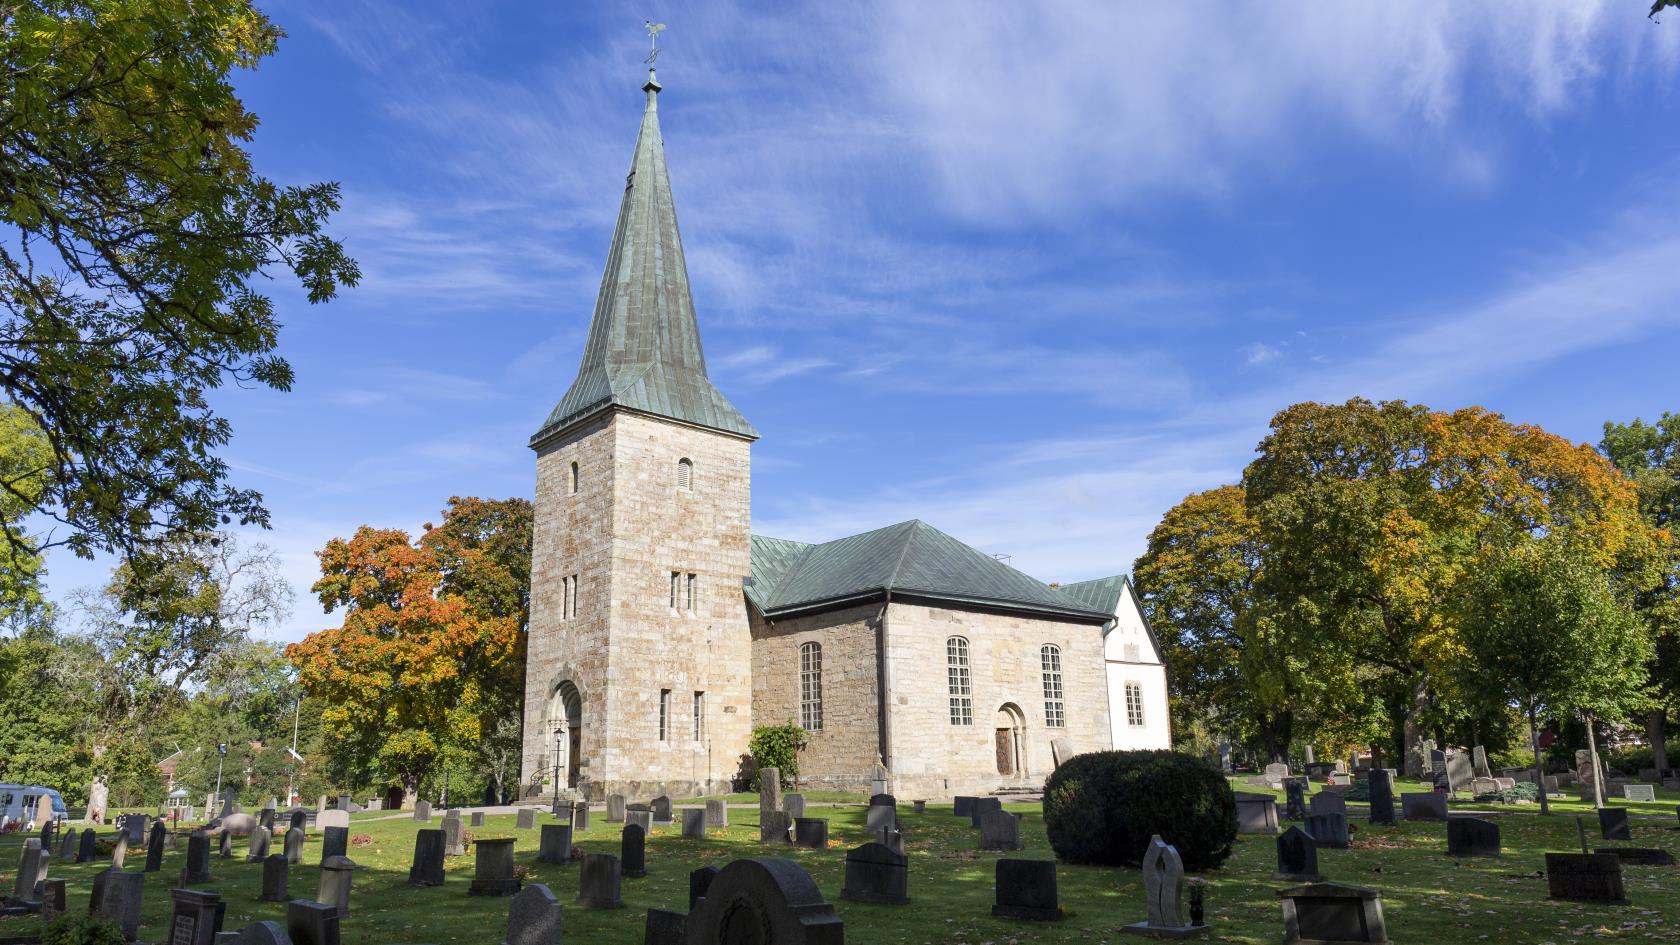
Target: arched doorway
1011, 726
565, 711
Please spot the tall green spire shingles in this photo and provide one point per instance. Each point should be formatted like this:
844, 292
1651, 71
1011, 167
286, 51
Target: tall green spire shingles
643, 351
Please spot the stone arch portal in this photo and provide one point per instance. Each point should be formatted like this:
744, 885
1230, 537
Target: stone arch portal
565, 711
1011, 727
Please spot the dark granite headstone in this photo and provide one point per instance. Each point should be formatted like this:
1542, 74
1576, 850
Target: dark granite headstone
197, 869
699, 881
632, 851
661, 807
67, 847
1329, 830
276, 879
694, 823
580, 817
1297, 857
979, 808
1327, 802
534, 916
1332, 914
1295, 799
555, 844
335, 841
880, 815
308, 923
493, 873
811, 832
882, 800
1026, 889
774, 827
1459, 772
599, 882
195, 917
769, 900
1425, 805
875, 873
1613, 823
52, 899
154, 847
1472, 836
121, 900
427, 867
919, 807
256, 848
87, 847
260, 933
665, 927
1382, 797
1585, 877
298, 820
1000, 830
1256, 813
527, 819
962, 806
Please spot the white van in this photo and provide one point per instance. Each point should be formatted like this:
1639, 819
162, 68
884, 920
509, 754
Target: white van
17, 803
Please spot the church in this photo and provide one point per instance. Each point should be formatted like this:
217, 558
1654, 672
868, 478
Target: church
663, 630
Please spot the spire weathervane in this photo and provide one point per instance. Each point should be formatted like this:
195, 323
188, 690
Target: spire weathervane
653, 31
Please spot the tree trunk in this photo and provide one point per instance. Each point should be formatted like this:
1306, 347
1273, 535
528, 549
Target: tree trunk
1656, 723
1592, 759
1414, 728
1539, 766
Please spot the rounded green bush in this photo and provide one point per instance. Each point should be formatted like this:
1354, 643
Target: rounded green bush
1103, 808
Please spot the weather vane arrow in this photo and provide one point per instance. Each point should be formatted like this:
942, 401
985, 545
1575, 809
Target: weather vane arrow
653, 31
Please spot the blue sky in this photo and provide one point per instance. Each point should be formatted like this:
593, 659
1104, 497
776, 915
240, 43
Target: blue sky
1029, 272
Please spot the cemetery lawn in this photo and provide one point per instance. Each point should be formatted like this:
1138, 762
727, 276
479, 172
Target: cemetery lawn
1427, 897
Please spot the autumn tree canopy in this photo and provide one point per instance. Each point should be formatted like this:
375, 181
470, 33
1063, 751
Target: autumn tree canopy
430, 658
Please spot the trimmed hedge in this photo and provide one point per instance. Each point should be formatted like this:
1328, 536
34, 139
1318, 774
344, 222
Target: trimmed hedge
1103, 808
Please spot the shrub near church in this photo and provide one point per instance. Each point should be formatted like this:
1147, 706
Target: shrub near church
1103, 807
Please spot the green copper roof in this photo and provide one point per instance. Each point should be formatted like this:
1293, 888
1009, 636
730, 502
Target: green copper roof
910, 558
1101, 594
643, 351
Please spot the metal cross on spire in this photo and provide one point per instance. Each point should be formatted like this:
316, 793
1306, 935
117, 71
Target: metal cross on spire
653, 31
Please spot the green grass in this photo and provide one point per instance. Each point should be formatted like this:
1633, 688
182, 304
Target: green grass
1427, 897
1569, 803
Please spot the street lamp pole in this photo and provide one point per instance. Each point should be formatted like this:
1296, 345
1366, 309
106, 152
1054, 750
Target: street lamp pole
221, 756
559, 740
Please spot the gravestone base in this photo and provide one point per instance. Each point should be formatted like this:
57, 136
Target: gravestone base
1638, 856
1173, 933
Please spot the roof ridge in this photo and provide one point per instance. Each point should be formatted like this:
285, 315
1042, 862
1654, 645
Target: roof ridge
892, 576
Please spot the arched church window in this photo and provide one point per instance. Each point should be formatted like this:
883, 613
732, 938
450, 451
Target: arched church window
1134, 705
810, 687
1050, 662
572, 479
685, 473
957, 681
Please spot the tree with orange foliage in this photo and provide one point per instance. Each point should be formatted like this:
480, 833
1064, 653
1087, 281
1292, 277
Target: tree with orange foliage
430, 658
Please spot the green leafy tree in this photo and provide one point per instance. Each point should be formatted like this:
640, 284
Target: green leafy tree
41, 713
134, 234
25, 461
1547, 629
776, 746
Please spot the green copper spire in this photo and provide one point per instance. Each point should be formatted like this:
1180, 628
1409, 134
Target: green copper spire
643, 351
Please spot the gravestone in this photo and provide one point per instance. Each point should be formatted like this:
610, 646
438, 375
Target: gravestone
632, 851
195, 917
134, 826
1295, 799
335, 841
478, 818
1484, 786
333, 818
1331, 914
811, 833
1276, 773
1026, 889
919, 807
534, 917
1163, 891
555, 844
276, 879
599, 882
265, 820
699, 881
1297, 857
773, 898
119, 851
641, 816
980, 806
294, 845
32, 870
52, 899
68, 846
1639, 856
875, 873
454, 838
256, 849
427, 867
1000, 830
1330, 830
774, 827
1585, 877
661, 807
493, 873
527, 819
879, 816
1382, 797
615, 808
694, 823
309, 923
882, 800
1256, 813
260, 933
665, 927
1327, 802
1639, 792
120, 902
337, 872
717, 814
794, 805
580, 817
154, 847
1425, 805
1613, 823
1479, 763
197, 869
1459, 772
1472, 836
962, 806
87, 847
769, 792
422, 812
224, 845
892, 839
1437, 762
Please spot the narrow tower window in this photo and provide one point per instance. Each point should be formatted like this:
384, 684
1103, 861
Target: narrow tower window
685, 473
699, 716
810, 687
956, 679
572, 479
664, 715
1050, 661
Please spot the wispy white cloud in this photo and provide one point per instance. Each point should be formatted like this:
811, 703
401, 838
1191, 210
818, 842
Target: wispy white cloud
1258, 352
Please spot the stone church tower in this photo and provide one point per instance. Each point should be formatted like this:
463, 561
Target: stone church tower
638, 676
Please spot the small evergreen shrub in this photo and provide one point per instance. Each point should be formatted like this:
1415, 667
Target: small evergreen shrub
1103, 808
72, 929
776, 746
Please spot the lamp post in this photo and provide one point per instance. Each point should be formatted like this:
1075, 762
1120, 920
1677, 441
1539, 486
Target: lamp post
221, 756
559, 742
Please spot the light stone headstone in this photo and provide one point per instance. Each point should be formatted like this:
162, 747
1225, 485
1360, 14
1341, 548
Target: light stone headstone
477, 818
717, 814
769, 792
333, 818
535, 917
527, 819
1639, 792
294, 845
422, 811
1163, 889
694, 823
1000, 830
493, 872
615, 808
554, 845
32, 870
640, 817
794, 805
454, 836
1479, 762
256, 849
1276, 774
119, 852
337, 873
